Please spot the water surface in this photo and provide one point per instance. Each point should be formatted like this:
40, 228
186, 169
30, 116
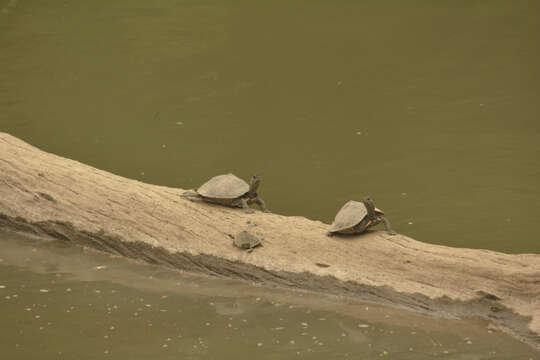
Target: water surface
60, 302
430, 107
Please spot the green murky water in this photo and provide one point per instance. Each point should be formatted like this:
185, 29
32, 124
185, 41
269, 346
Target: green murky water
432, 108
57, 302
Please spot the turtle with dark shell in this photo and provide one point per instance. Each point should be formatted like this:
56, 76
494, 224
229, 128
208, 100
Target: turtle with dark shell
356, 217
229, 190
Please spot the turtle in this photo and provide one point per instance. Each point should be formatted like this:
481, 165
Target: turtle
356, 217
229, 190
245, 240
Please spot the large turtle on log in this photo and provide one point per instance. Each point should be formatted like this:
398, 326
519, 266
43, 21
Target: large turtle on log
356, 217
229, 190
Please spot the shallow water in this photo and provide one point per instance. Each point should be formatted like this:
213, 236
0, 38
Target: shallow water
429, 107
58, 301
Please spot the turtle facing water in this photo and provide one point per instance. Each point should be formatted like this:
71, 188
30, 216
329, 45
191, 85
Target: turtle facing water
245, 240
356, 217
229, 190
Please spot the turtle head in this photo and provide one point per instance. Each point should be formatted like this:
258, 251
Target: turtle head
370, 206
254, 183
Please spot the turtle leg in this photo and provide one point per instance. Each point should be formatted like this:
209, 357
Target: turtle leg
387, 226
246, 207
261, 204
191, 195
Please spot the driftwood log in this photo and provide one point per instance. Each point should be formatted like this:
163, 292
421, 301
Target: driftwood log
54, 197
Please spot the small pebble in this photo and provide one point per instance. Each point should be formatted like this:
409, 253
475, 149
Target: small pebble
363, 325
2, 286
292, 342
259, 344
179, 123
43, 290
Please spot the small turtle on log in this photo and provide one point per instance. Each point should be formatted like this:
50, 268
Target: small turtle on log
229, 190
356, 217
246, 241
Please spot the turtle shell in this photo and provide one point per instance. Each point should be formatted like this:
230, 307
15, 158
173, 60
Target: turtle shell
350, 215
245, 240
226, 186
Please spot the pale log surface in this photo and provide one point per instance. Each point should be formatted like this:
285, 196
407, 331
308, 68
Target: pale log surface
51, 196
